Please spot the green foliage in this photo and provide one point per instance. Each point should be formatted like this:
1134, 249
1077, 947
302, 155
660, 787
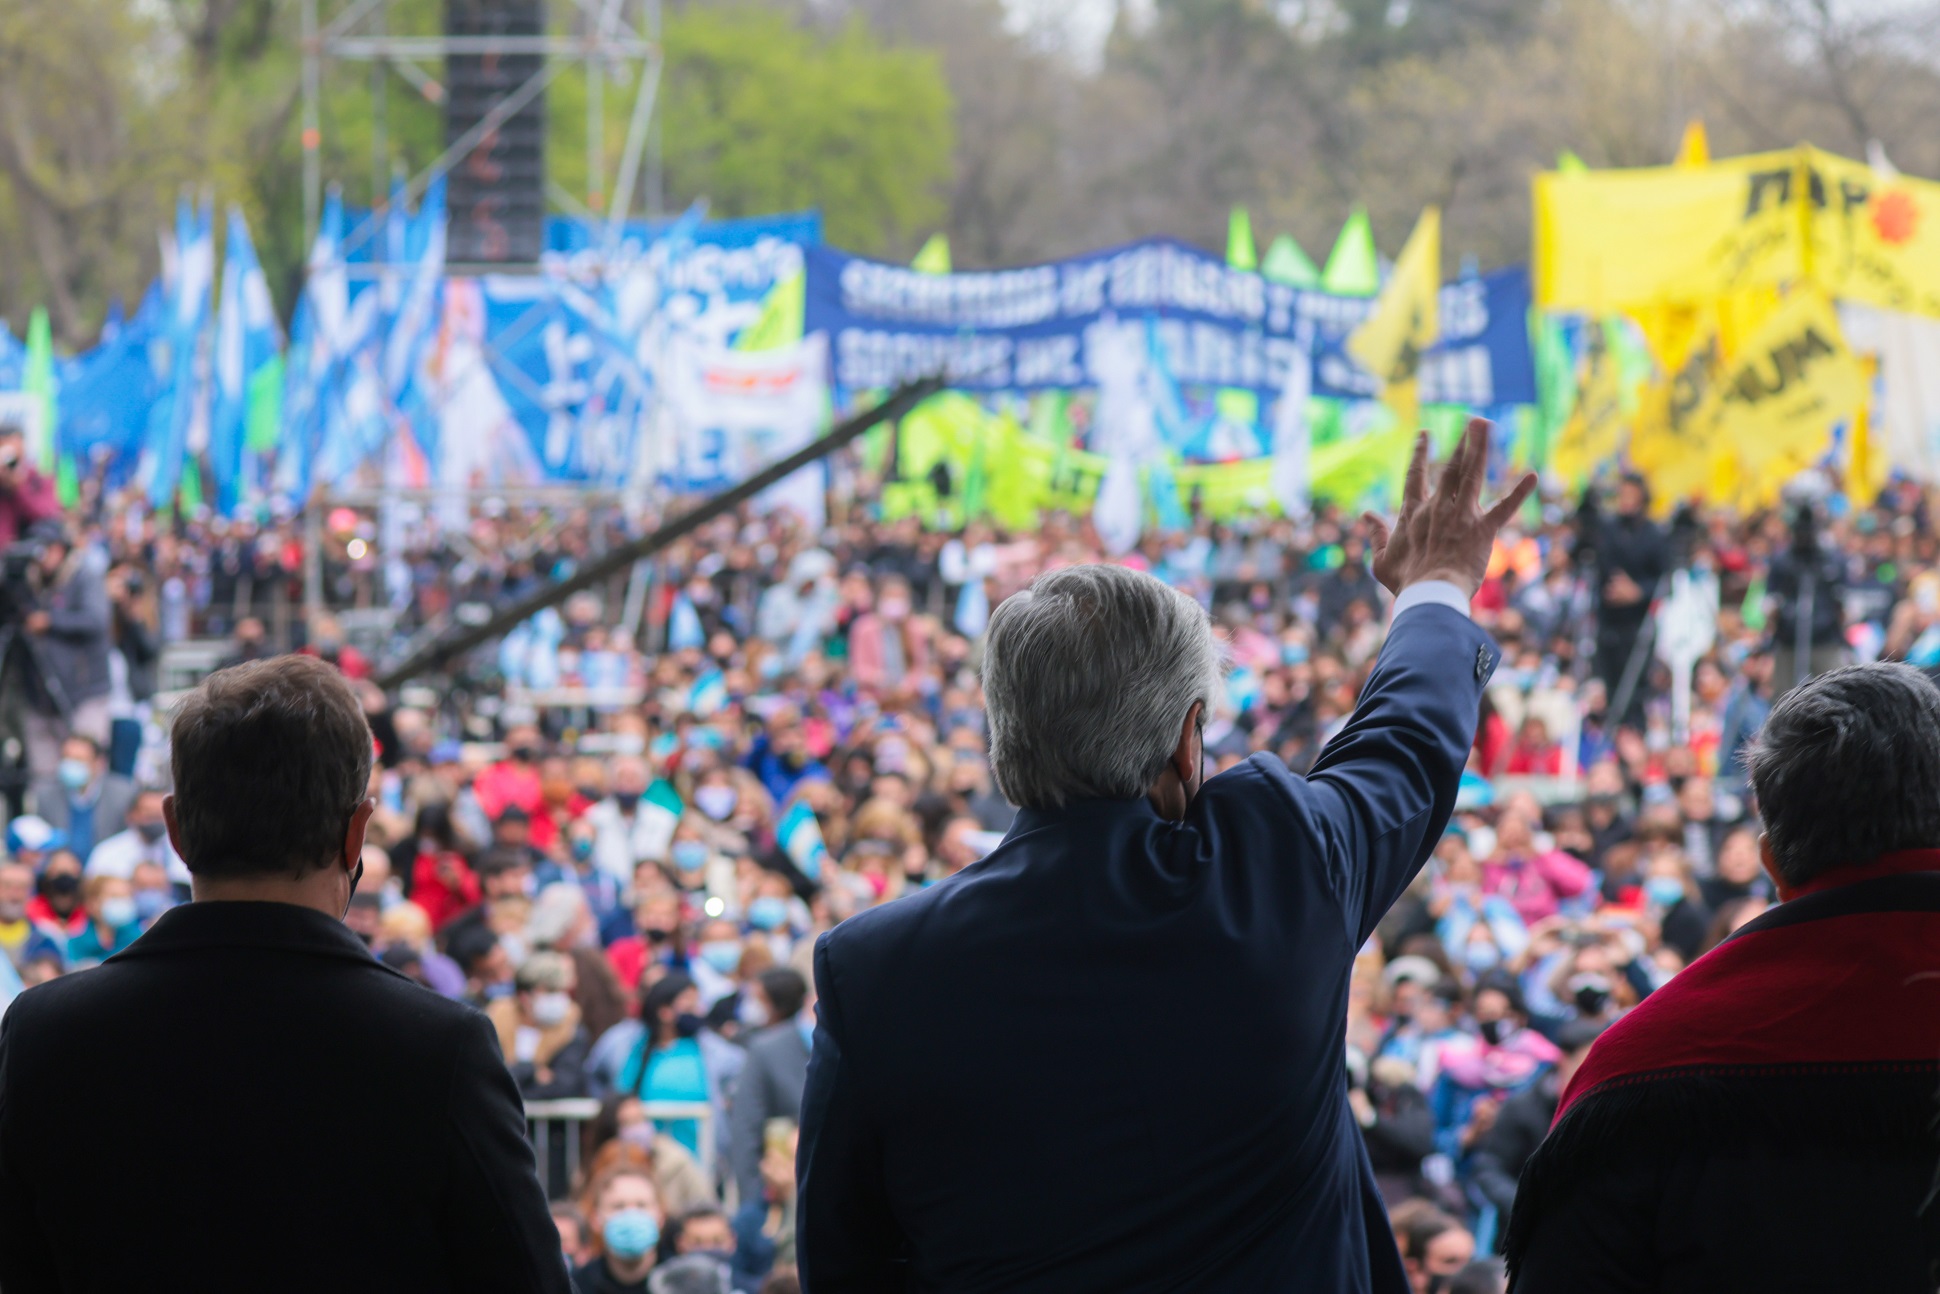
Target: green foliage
765, 115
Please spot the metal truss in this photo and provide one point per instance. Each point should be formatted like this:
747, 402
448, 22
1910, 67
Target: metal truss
617, 34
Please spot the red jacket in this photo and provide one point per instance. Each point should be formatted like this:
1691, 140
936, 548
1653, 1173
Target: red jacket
440, 901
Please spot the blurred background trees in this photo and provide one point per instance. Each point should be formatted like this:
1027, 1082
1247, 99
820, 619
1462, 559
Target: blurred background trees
1024, 129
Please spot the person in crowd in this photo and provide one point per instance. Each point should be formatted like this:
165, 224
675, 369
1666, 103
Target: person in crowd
539, 1029
628, 829
442, 881
21, 937
113, 921
144, 840
69, 628
271, 765
1739, 873
56, 905
1779, 1090
27, 494
666, 1061
562, 920
1628, 554
1524, 1119
83, 798
405, 925
1434, 1247
487, 966
575, 1238
626, 1218
1535, 880
1097, 683
771, 1080
1394, 1119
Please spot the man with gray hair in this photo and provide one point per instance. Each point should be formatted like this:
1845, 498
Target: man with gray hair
1766, 1120
1107, 1056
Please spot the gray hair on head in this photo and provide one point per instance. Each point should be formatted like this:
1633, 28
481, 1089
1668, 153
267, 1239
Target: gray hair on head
1848, 768
1087, 677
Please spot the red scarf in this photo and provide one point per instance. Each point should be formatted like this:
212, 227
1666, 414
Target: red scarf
1844, 976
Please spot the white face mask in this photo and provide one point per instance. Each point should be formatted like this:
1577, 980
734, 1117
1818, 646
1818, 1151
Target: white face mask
549, 1009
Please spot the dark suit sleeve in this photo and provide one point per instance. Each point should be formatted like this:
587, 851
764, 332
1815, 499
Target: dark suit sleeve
498, 1231
846, 1239
1384, 787
26, 1256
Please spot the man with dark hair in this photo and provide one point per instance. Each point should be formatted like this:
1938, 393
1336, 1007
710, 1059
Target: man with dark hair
771, 1082
222, 1062
1524, 1119
1766, 1119
1628, 553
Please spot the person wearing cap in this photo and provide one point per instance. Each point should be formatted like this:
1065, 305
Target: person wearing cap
1137, 898
244, 1033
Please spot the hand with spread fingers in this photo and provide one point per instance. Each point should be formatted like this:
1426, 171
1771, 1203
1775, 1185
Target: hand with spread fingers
1445, 535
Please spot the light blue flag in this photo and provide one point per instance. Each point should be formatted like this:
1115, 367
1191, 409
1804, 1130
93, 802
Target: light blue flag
708, 694
320, 312
168, 422
800, 837
247, 339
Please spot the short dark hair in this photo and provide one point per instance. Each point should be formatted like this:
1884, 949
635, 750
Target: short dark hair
1846, 768
270, 759
786, 990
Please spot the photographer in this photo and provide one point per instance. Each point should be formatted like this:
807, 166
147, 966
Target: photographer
68, 632
26, 496
1626, 554
1807, 581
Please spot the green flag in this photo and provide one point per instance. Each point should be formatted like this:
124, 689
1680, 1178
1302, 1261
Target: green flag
67, 482
37, 382
1569, 163
780, 322
1287, 262
1239, 241
934, 258
263, 407
1353, 267
189, 493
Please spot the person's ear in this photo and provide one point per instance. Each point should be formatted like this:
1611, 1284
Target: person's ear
1769, 860
174, 831
1189, 756
353, 834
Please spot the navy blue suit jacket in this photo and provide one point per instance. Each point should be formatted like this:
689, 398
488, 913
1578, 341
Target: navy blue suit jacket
1108, 1057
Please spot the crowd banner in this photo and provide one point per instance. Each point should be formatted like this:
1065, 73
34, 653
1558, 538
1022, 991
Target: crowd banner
1405, 321
1875, 236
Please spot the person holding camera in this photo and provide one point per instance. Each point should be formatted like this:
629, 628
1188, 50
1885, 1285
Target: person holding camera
68, 630
26, 494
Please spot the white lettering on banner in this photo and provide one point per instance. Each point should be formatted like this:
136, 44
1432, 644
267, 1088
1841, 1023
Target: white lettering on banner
1049, 361
1463, 375
1464, 308
709, 268
1082, 291
866, 358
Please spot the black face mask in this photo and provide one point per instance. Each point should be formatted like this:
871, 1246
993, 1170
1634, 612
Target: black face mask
1591, 1000
687, 1024
656, 935
60, 885
1493, 1032
355, 877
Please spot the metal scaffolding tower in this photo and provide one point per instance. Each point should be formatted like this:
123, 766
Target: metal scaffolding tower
606, 36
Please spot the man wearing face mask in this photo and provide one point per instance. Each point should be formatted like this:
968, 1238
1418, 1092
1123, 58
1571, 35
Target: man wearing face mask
258, 976
632, 825
146, 840
83, 798
1131, 888
770, 1086
540, 1030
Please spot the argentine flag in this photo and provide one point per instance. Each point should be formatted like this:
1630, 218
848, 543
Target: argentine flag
248, 352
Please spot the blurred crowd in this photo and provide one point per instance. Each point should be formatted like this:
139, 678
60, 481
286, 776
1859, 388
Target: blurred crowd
619, 830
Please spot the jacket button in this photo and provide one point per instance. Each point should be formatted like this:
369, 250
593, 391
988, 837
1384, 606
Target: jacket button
1481, 663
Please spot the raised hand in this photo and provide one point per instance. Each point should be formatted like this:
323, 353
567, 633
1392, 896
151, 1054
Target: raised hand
1444, 535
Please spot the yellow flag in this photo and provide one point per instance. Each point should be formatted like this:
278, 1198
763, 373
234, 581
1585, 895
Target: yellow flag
1779, 399
1875, 237
1694, 149
1867, 466
1406, 319
1593, 436
1677, 439
1608, 240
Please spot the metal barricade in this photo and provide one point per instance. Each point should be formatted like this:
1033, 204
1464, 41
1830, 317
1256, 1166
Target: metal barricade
557, 1130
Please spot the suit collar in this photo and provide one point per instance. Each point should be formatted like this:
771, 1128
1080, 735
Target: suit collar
1079, 812
285, 926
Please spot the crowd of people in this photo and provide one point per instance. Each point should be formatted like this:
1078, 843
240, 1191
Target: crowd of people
620, 840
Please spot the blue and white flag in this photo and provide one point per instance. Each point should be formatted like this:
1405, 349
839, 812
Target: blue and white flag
247, 339
166, 444
800, 837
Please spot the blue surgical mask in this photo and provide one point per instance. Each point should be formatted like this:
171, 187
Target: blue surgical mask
583, 848
75, 773
150, 904
690, 855
630, 1234
768, 913
716, 801
1664, 891
1481, 957
119, 911
724, 955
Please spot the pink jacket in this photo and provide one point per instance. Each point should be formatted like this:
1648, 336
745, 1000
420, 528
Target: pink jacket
1535, 884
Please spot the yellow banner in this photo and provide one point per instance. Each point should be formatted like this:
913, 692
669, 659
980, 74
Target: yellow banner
1875, 237
1593, 436
1406, 320
1778, 401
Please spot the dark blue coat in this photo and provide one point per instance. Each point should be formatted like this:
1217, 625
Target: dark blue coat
1108, 1057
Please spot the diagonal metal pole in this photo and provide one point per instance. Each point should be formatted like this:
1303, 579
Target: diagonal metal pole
431, 656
